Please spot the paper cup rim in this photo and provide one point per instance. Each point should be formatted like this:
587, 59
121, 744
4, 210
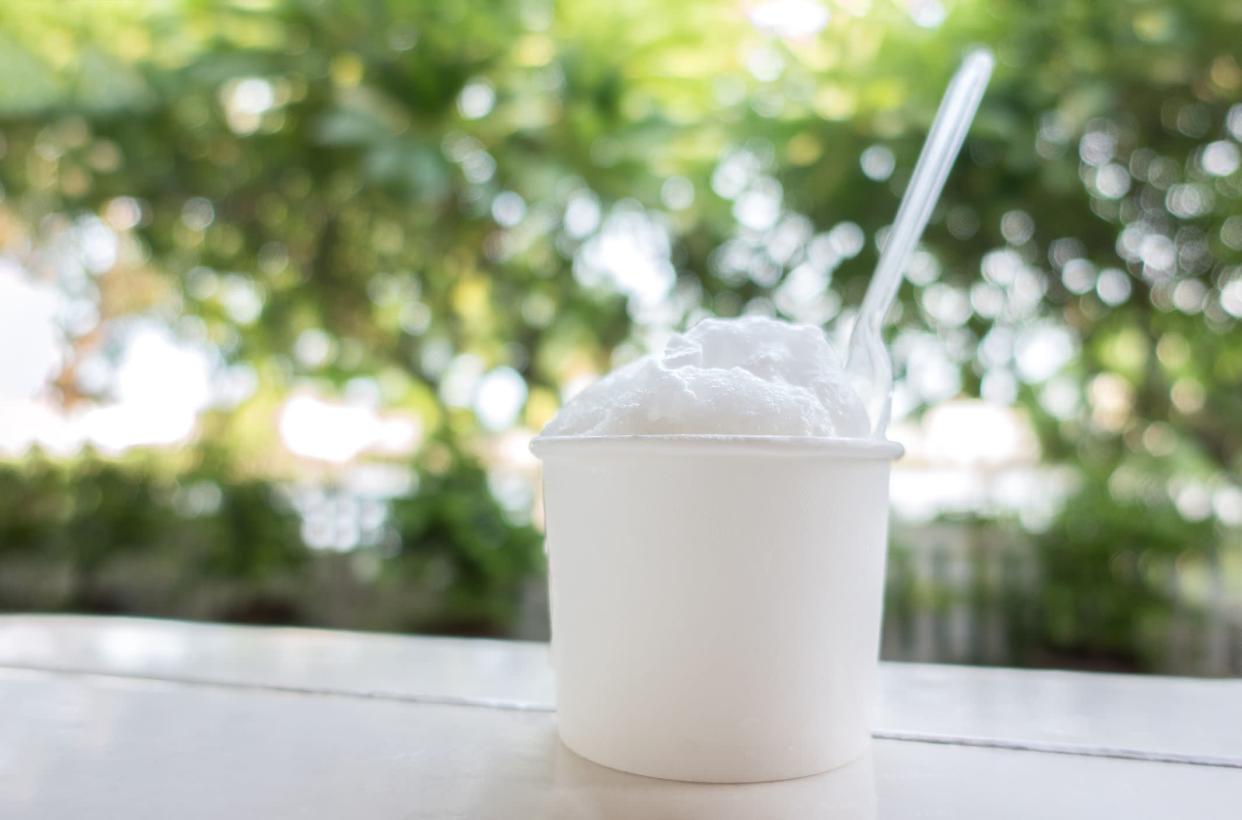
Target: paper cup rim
717, 444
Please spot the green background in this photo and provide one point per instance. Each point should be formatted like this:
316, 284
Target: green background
421, 182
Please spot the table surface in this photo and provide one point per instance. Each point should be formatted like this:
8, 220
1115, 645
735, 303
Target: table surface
120, 717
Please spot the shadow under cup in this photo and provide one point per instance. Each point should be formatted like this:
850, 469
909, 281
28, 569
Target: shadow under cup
716, 600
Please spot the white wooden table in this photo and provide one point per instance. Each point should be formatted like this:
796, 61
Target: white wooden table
126, 718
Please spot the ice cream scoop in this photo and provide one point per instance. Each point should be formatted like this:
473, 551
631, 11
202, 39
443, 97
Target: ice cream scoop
750, 376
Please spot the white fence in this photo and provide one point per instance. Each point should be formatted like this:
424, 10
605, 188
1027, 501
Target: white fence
963, 594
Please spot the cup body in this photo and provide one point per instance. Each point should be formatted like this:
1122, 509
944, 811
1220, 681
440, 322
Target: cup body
716, 601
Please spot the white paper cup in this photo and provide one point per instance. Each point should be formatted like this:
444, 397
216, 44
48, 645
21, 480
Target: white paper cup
716, 600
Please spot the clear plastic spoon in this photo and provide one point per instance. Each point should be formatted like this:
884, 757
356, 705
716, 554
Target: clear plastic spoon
868, 365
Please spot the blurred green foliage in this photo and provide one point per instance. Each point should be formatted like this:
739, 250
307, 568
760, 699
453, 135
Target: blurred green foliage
75, 521
134, 535
397, 193
1111, 565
